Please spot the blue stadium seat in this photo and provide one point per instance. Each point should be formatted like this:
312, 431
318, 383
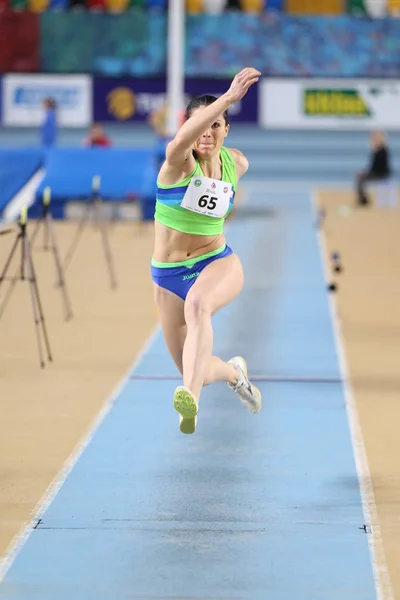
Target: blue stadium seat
160, 4
59, 5
274, 5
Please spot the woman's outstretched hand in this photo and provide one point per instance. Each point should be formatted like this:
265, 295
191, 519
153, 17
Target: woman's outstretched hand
241, 83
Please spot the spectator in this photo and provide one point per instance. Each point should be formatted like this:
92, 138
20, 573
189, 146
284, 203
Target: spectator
49, 125
379, 166
97, 137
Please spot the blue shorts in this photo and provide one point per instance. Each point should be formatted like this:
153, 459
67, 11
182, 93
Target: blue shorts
179, 278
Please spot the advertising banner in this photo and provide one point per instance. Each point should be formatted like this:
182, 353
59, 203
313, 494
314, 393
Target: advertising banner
134, 99
330, 104
23, 97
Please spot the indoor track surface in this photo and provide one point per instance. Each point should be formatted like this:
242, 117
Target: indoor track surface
275, 506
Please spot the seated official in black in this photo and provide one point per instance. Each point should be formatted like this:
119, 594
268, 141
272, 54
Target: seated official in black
379, 166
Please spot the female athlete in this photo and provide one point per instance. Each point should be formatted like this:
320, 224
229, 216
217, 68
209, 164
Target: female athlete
195, 273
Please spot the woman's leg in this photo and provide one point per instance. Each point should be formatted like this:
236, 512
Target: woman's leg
362, 198
217, 285
170, 310
188, 335
172, 320
171, 314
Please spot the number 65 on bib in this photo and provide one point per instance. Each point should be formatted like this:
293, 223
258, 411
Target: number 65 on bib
209, 197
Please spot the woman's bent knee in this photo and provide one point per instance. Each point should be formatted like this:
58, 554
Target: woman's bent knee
196, 308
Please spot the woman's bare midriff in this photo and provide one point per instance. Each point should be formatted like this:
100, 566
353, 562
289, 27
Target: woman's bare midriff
174, 246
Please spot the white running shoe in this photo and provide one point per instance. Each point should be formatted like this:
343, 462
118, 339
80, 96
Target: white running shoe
249, 395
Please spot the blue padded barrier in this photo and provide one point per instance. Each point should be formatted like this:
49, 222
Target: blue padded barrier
69, 172
124, 174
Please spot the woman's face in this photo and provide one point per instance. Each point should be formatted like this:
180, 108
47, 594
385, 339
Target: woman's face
209, 144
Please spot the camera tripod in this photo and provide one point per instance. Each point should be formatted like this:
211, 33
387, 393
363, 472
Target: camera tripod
46, 221
27, 268
93, 206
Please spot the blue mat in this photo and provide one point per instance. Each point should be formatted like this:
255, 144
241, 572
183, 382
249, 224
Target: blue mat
123, 173
17, 166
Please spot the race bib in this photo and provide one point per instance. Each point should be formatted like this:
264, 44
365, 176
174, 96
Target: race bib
208, 196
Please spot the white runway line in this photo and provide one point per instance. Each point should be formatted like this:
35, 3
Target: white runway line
381, 574
25, 197
22, 537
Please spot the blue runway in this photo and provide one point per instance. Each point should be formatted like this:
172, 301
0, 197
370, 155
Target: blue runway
251, 507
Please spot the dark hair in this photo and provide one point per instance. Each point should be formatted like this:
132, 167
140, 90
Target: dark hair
198, 101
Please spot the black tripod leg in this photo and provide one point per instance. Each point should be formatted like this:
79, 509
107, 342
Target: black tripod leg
23, 256
46, 233
10, 257
106, 246
81, 225
13, 280
36, 298
35, 231
61, 280
35, 306
8, 296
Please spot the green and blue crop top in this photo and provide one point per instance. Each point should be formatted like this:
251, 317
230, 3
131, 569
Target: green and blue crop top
169, 211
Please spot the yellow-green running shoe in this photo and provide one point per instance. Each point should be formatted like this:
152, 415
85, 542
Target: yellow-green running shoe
186, 405
249, 395
187, 425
